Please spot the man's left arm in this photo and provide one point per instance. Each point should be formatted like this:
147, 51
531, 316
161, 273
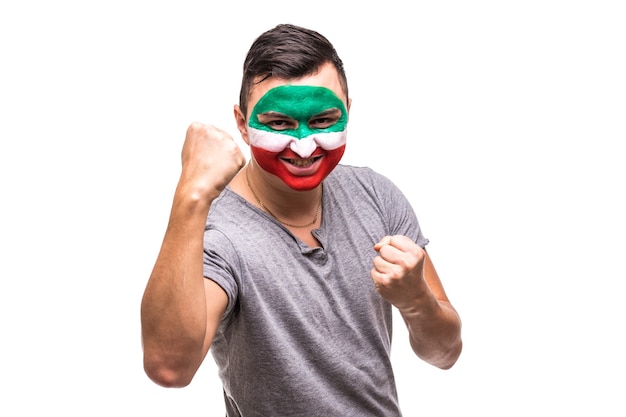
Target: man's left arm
405, 276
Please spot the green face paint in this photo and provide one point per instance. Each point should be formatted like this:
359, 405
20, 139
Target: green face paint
300, 103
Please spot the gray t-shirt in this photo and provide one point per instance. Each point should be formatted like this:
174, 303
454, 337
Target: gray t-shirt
305, 333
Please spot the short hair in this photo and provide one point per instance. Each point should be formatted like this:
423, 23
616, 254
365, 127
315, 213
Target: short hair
287, 51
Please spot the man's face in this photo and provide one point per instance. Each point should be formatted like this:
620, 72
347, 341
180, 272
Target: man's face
297, 128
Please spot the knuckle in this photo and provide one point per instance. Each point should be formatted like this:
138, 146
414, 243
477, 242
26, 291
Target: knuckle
195, 126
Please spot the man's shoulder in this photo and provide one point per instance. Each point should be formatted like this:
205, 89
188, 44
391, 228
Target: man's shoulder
355, 174
342, 171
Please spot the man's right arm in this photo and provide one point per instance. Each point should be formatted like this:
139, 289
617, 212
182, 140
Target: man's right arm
180, 309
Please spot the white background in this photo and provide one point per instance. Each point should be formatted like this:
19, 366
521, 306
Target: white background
504, 123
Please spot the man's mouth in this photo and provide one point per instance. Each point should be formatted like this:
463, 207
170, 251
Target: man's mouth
302, 162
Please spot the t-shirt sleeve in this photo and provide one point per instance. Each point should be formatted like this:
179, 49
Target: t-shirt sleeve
220, 260
401, 216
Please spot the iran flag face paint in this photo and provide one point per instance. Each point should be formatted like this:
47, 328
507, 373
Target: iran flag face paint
298, 133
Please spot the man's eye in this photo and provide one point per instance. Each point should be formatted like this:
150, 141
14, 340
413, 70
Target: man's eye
280, 124
322, 122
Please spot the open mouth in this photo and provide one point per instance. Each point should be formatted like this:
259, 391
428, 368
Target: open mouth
302, 162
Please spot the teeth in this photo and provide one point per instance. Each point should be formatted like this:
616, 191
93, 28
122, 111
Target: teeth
302, 163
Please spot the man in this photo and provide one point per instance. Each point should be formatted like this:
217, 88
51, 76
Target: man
287, 269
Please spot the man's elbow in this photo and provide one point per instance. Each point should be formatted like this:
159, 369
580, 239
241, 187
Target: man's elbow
448, 358
442, 357
167, 376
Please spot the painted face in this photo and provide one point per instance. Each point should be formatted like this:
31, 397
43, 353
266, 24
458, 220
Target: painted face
298, 133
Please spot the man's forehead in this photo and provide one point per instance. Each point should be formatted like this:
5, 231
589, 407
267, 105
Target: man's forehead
327, 76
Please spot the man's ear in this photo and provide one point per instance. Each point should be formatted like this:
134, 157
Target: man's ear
349, 104
240, 118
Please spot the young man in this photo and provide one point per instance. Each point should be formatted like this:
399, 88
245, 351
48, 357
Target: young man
287, 269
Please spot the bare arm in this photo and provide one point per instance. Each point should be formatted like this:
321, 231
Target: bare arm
405, 276
180, 309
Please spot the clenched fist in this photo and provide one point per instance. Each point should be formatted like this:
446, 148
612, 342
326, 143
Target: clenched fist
210, 159
398, 270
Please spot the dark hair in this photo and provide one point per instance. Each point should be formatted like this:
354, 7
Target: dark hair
287, 51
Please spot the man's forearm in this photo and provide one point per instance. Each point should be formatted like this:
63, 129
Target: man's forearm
173, 310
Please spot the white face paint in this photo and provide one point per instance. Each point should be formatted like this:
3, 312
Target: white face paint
277, 142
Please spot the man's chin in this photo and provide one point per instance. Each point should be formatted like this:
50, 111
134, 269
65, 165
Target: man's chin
303, 183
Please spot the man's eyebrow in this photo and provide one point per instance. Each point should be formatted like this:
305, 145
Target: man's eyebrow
328, 112
272, 113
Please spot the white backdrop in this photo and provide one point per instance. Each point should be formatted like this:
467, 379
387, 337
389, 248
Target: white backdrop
503, 122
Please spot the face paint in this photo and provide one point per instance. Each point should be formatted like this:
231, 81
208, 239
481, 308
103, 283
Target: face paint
302, 124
